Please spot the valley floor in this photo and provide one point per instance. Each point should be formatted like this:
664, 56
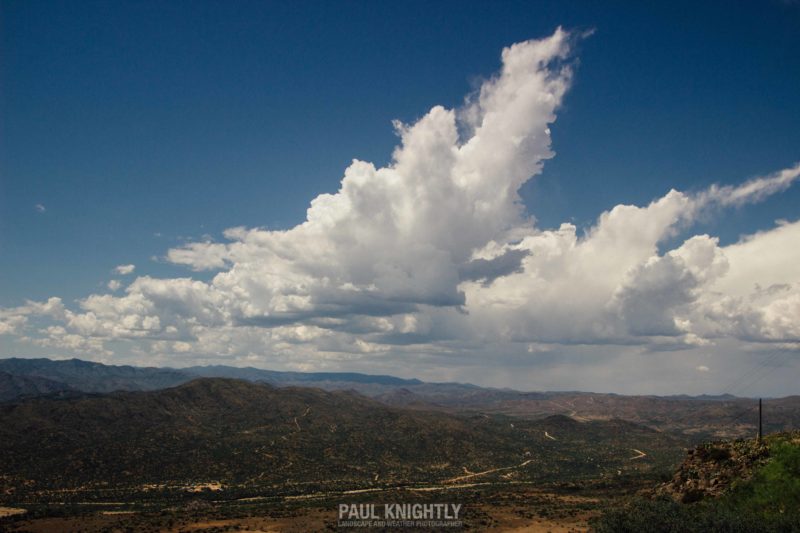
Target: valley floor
492, 508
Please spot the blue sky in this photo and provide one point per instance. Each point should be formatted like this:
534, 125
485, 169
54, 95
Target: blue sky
142, 126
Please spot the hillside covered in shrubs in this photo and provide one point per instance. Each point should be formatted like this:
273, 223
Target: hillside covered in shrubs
742, 485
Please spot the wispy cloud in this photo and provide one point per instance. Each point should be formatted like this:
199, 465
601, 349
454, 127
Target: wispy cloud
754, 190
124, 270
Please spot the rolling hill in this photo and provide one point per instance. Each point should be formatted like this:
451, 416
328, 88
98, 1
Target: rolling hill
256, 439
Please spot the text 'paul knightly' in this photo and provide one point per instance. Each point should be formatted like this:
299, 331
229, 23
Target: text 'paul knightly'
399, 511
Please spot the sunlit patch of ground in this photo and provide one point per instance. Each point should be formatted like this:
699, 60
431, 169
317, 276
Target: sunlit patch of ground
521, 509
509, 519
313, 520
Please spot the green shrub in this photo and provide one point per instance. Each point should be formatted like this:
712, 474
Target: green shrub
768, 502
719, 454
644, 515
774, 489
667, 516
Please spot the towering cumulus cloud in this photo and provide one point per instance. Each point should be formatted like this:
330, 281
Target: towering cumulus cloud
397, 237
435, 253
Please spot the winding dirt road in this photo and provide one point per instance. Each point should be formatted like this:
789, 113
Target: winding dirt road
640, 452
476, 474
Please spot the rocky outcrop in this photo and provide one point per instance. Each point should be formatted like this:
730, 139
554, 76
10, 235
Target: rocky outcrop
711, 468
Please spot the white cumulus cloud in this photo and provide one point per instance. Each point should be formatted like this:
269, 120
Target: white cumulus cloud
434, 253
124, 270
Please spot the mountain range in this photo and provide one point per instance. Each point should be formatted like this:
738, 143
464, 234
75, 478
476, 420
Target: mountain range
694, 418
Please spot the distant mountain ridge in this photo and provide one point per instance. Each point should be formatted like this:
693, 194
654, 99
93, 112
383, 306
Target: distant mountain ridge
273, 376
15, 386
87, 376
696, 417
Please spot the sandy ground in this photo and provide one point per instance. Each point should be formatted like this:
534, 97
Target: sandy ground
528, 511
508, 522
314, 520
10, 511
